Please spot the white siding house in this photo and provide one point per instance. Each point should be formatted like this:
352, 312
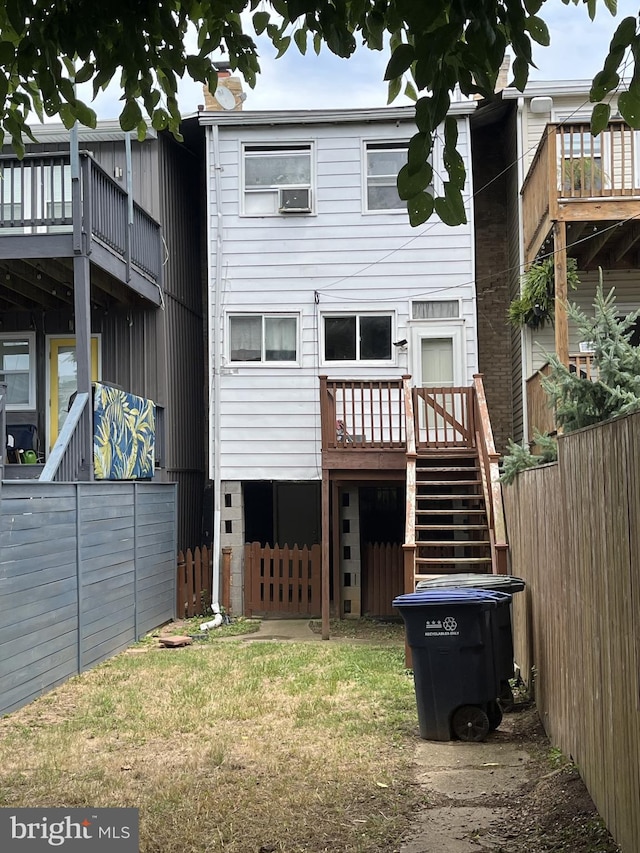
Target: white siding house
313, 268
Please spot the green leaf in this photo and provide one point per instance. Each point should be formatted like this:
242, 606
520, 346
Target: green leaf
450, 208
85, 73
520, 73
85, 114
591, 8
7, 53
410, 185
624, 34
420, 208
629, 106
300, 38
395, 86
410, 91
260, 22
131, 116
600, 118
603, 83
401, 59
282, 45
67, 115
538, 30
66, 89
317, 43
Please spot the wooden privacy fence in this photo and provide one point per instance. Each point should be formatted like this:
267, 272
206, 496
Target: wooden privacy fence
382, 577
282, 580
194, 586
574, 534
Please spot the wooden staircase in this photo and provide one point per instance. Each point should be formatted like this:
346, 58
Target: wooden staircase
451, 522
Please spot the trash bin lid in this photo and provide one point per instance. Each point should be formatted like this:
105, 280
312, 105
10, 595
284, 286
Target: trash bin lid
435, 597
506, 583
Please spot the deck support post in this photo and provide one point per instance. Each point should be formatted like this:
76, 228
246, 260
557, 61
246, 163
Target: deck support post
82, 313
560, 275
326, 544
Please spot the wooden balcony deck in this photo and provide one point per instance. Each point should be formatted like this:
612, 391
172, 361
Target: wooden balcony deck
587, 182
41, 233
540, 415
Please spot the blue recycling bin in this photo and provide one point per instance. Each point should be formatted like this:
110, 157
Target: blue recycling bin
454, 642
498, 583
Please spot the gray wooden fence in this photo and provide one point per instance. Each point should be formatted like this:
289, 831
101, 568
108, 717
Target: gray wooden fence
574, 536
86, 569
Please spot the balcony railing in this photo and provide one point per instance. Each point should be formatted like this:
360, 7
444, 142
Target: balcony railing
539, 414
35, 198
572, 165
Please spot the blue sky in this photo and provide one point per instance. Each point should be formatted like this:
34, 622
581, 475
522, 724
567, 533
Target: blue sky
577, 50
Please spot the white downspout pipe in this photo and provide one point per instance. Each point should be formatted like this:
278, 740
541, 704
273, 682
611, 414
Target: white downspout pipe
214, 297
524, 357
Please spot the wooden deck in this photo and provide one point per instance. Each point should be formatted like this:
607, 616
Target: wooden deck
587, 182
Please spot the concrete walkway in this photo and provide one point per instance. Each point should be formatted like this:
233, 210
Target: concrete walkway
282, 629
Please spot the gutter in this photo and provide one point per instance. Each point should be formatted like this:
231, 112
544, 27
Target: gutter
523, 336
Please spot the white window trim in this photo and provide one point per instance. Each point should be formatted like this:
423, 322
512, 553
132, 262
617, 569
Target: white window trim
30, 337
366, 211
261, 365
378, 362
281, 145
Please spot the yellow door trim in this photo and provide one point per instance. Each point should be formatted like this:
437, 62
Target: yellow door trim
55, 344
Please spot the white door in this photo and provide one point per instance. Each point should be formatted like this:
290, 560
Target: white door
438, 360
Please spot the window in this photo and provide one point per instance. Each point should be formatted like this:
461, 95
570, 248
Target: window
271, 177
357, 337
17, 370
263, 338
435, 309
383, 162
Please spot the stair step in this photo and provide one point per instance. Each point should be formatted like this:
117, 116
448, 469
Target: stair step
431, 561
441, 497
452, 543
448, 483
454, 469
468, 511
452, 527
419, 577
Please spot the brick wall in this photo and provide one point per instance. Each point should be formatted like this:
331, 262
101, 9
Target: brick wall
492, 279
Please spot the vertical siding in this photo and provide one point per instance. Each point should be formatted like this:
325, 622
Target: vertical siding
336, 260
85, 569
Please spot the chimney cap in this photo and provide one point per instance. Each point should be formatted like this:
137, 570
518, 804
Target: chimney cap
223, 65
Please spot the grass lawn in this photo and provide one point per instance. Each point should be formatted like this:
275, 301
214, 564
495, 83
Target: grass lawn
235, 747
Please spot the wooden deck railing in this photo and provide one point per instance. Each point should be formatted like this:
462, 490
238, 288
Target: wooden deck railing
571, 165
35, 198
361, 414
539, 414
443, 417
69, 461
490, 470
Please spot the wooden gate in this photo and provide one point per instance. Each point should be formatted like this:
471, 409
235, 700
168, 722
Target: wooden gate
282, 581
382, 578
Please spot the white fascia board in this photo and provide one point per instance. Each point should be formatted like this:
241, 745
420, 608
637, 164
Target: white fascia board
104, 131
548, 88
248, 118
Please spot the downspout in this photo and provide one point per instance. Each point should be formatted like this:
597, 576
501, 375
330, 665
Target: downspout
215, 349
472, 235
523, 338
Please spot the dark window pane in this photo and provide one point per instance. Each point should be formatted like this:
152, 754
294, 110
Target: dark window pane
246, 338
375, 338
340, 338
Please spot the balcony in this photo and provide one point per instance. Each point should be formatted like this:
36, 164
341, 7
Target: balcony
584, 182
38, 223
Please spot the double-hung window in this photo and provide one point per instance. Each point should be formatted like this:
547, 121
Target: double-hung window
358, 337
259, 338
383, 161
17, 370
277, 180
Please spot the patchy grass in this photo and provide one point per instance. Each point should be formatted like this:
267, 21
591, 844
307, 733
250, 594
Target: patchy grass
191, 627
363, 629
228, 747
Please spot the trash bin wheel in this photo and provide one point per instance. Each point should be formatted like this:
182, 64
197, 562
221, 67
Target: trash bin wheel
470, 723
494, 714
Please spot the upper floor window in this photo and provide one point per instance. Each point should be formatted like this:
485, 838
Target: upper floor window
17, 370
383, 162
358, 337
277, 180
435, 309
263, 338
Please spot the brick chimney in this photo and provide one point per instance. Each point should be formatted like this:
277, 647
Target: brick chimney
503, 75
226, 81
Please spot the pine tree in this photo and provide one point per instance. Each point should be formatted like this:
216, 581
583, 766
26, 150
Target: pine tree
579, 401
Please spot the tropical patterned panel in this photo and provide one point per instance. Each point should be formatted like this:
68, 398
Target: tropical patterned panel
123, 435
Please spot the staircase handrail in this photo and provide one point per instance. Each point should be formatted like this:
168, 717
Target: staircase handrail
68, 455
490, 468
409, 548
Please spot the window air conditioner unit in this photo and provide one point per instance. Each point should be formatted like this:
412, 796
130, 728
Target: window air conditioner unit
295, 200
